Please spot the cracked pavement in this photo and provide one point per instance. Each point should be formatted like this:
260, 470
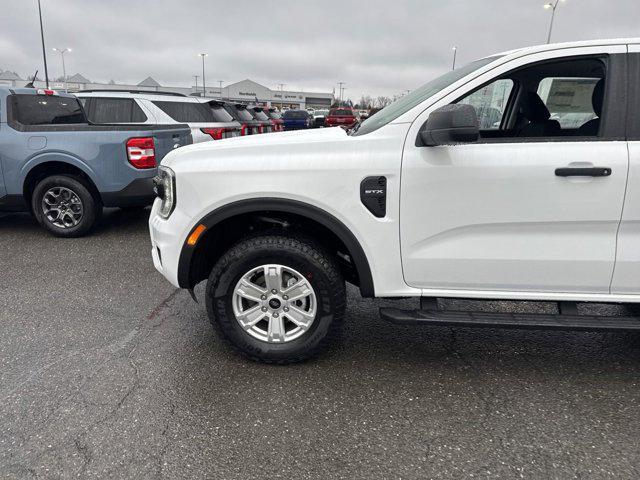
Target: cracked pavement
107, 371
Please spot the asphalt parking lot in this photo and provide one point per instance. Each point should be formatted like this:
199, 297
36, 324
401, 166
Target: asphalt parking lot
107, 371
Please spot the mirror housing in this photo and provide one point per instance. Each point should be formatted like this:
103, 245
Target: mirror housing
450, 125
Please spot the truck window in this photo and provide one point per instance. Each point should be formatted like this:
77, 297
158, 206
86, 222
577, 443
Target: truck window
561, 98
46, 110
569, 100
490, 103
186, 112
115, 110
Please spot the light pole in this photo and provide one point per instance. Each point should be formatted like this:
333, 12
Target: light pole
552, 6
455, 53
204, 87
281, 85
340, 85
62, 51
44, 52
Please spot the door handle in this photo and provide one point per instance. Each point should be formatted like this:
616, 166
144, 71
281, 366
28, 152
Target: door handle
583, 172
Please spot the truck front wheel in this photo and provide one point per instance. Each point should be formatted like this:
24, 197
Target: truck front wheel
64, 206
276, 298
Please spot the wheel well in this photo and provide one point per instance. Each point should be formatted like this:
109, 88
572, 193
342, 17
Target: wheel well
218, 239
56, 168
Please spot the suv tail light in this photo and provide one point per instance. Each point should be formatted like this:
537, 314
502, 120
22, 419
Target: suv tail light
141, 152
218, 133
244, 130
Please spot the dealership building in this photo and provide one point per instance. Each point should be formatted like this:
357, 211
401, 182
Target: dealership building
245, 91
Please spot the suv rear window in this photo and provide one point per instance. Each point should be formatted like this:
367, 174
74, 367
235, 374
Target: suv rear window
46, 110
220, 114
241, 113
260, 115
341, 112
295, 114
115, 110
186, 112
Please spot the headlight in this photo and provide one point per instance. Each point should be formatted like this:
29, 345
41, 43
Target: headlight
164, 185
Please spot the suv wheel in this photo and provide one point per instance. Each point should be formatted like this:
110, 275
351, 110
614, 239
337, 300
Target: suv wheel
276, 299
64, 206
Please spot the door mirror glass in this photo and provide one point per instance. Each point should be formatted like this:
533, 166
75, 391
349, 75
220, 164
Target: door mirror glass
450, 125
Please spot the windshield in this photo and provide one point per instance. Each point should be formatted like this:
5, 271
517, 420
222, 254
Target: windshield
406, 103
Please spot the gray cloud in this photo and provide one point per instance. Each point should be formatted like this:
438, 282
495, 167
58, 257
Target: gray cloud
375, 46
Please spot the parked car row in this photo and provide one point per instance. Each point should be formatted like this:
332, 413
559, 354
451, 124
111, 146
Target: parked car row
64, 157
208, 119
345, 117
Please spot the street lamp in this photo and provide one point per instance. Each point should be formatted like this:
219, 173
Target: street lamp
341, 89
204, 88
44, 52
62, 51
281, 85
552, 6
455, 52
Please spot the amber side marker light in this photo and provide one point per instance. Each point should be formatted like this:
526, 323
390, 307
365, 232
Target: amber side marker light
195, 235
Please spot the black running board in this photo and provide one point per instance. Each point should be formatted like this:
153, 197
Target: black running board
508, 320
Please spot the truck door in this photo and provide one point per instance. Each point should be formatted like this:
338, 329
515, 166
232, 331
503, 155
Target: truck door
626, 279
511, 212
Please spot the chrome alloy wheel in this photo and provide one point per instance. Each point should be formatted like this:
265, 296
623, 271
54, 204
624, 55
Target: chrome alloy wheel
274, 303
62, 207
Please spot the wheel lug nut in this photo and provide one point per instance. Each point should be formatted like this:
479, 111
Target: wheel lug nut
285, 297
274, 291
263, 297
286, 309
264, 309
275, 314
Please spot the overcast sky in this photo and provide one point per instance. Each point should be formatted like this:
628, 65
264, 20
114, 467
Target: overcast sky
380, 47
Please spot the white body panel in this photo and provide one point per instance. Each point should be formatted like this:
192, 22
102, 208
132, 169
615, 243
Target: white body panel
626, 278
627, 270
495, 217
488, 220
214, 174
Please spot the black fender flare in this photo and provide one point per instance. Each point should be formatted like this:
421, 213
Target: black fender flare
311, 212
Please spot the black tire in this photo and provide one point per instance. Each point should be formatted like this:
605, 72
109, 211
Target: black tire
303, 255
91, 208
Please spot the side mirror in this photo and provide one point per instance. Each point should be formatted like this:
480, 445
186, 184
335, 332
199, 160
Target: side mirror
450, 125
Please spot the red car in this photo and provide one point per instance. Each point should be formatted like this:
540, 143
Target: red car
276, 120
341, 117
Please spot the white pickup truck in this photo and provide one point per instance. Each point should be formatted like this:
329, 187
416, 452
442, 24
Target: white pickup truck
516, 177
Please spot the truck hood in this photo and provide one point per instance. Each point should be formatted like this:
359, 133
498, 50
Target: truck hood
241, 146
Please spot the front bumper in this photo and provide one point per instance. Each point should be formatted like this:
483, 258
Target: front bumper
167, 240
